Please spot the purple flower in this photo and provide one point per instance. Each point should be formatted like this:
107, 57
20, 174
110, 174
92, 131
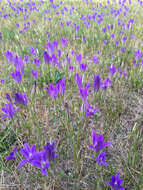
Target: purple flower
98, 142
61, 86
8, 110
47, 58
90, 110
106, 83
116, 182
21, 99
26, 58
122, 50
12, 155
105, 42
43, 158
2, 81
112, 36
96, 83
95, 60
84, 92
33, 51
37, 62
41, 161
100, 159
28, 152
78, 80
50, 151
9, 55
76, 27
71, 67
8, 97
124, 39
83, 67
17, 76
35, 74
78, 58
18, 63
63, 42
52, 90
112, 69
117, 42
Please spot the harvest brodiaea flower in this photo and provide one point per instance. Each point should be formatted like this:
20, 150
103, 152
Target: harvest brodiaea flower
8, 110
21, 99
100, 159
98, 142
12, 155
17, 76
116, 182
96, 83
28, 152
40, 159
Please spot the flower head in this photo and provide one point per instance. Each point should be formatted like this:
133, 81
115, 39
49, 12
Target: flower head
96, 83
17, 76
8, 110
12, 155
21, 99
100, 159
116, 182
98, 142
28, 152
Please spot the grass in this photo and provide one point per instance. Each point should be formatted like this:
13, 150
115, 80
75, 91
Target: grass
44, 119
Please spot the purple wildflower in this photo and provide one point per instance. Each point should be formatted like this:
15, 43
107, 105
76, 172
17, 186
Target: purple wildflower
8, 110
112, 69
106, 83
78, 80
83, 67
12, 155
79, 58
116, 182
63, 42
41, 161
9, 55
96, 83
90, 110
33, 51
100, 159
98, 142
50, 151
52, 90
21, 99
28, 152
124, 39
8, 97
2, 81
84, 92
37, 62
35, 74
61, 86
17, 76
47, 58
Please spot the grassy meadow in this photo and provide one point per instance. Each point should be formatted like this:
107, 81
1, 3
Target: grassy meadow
71, 94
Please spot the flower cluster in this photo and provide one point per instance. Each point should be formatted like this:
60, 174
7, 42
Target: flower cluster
97, 146
40, 159
83, 93
59, 88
